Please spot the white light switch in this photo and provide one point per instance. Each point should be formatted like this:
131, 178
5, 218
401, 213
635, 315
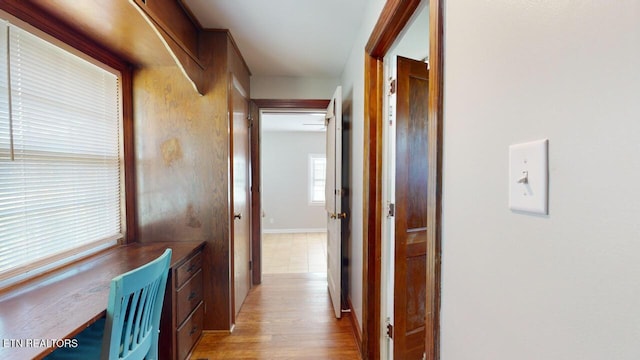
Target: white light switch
528, 177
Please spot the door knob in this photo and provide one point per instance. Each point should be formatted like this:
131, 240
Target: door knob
237, 216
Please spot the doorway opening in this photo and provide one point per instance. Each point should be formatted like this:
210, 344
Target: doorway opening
259, 107
405, 141
293, 217
328, 172
392, 21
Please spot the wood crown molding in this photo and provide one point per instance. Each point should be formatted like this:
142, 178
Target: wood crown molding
292, 103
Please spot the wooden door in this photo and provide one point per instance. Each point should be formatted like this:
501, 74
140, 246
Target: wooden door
256, 196
241, 216
333, 200
410, 209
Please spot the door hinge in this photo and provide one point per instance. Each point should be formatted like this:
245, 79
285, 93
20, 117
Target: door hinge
392, 210
250, 265
389, 331
392, 87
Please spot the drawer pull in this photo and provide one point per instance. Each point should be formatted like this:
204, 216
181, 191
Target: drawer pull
191, 268
192, 296
193, 330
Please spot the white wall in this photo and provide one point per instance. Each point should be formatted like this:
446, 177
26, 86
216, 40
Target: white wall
280, 87
562, 286
353, 94
285, 182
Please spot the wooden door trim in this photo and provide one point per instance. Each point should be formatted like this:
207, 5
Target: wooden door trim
292, 103
256, 171
434, 206
372, 208
392, 20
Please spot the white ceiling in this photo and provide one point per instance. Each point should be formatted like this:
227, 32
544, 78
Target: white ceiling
293, 121
297, 38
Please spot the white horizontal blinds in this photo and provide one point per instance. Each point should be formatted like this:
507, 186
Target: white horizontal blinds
61, 192
5, 135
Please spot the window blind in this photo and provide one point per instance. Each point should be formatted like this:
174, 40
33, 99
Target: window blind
5, 145
60, 161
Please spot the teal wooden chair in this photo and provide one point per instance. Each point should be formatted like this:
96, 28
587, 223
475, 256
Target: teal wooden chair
131, 328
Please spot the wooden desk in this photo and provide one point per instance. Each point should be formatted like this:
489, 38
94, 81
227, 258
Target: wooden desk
65, 302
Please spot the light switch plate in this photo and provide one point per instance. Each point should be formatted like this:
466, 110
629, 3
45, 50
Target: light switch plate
528, 177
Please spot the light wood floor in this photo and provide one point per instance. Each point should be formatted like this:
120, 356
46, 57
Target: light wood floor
288, 316
294, 253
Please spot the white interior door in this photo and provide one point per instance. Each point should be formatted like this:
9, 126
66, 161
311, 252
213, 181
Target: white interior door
333, 192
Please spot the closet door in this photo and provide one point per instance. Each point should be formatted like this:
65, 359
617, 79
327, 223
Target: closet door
412, 165
241, 216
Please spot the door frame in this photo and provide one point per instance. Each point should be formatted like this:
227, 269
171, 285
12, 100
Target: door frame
392, 20
256, 106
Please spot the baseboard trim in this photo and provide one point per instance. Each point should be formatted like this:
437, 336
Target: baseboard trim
357, 333
293, 231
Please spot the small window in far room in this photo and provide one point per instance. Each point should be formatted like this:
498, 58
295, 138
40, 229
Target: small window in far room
317, 176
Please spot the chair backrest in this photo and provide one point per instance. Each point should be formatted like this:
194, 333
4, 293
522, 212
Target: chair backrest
134, 309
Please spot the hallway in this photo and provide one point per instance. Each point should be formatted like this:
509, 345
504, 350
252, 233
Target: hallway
288, 316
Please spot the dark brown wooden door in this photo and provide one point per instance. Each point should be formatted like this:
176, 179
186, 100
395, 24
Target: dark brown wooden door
411, 209
241, 216
256, 197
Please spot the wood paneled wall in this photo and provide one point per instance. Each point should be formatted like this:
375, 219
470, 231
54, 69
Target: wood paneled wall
182, 148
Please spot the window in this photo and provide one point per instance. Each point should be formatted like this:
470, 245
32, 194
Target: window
317, 176
60, 155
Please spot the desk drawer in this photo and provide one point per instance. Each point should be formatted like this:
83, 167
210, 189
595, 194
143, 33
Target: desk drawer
188, 297
188, 269
189, 332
